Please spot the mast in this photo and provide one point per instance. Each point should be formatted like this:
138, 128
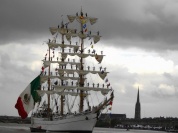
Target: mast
81, 68
68, 33
49, 85
62, 82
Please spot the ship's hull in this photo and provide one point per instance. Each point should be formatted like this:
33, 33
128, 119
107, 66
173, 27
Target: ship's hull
72, 123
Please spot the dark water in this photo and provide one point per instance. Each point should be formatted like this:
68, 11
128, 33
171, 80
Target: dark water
24, 128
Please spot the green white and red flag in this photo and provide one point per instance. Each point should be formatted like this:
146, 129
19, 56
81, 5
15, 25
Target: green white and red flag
27, 99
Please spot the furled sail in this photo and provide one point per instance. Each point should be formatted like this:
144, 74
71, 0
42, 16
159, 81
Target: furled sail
56, 45
93, 20
71, 18
102, 74
44, 78
82, 19
47, 63
42, 92
82, 36
99, 58
96, 38
62, 31
104, 91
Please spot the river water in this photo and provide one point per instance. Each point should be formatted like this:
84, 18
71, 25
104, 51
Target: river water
24, 128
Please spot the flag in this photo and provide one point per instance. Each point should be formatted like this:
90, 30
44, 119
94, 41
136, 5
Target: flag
42, 68
66, 24
110, 103
26, 100
108, 85
85, 27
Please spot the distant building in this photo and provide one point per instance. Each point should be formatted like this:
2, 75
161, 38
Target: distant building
113, 116
138, 107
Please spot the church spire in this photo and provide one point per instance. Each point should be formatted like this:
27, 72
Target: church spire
138, 97
138, 107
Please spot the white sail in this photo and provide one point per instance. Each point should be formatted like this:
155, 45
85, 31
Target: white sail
82, 19
99, 58
93, 20
53, 30
62, 31
71, 18
104, 91
102, 74
56, 45
96, 38
47, 63
42, 92
82, 36
44, 78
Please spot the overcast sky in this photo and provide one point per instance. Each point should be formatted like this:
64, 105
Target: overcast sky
139, 37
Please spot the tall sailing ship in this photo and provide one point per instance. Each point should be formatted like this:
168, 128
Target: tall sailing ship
66, 97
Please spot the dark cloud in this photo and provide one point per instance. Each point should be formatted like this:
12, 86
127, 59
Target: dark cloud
12, 74
145, 25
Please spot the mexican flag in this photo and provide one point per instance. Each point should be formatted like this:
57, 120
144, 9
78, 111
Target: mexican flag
26, 100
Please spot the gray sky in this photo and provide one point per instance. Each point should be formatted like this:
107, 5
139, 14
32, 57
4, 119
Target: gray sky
139, 38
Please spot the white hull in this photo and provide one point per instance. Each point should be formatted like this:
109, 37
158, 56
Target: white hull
72, 123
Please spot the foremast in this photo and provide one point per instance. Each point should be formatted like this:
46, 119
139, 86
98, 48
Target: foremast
62, 81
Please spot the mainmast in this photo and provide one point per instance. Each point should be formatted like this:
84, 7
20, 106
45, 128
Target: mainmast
81, 68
